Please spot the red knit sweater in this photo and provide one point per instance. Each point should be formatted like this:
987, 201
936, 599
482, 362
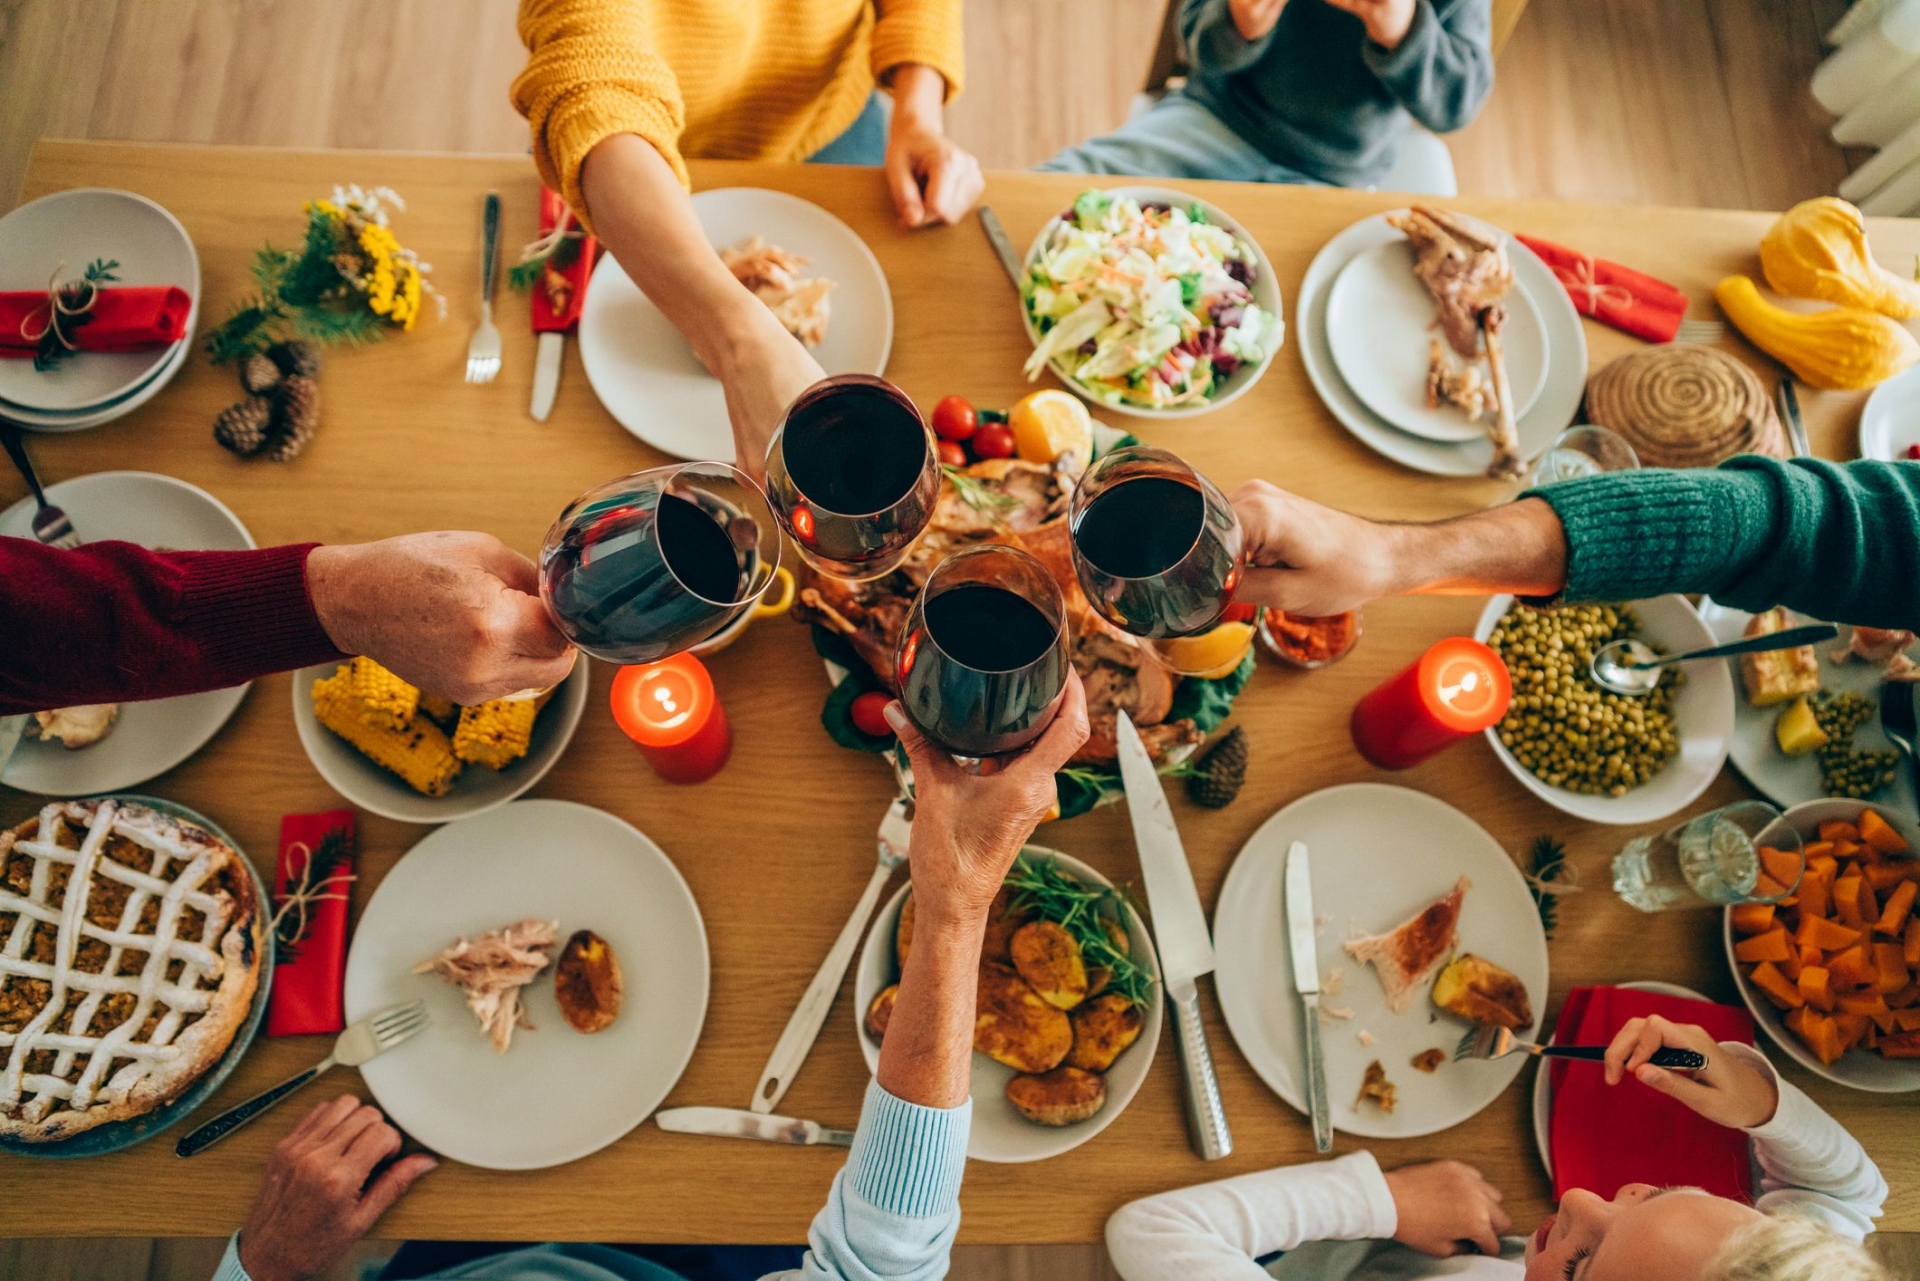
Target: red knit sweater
114, 623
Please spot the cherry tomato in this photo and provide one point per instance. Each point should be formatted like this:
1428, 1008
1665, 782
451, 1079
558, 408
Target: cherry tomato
1913, 453
993, 440
952, 453
868, 713
1238, 612
954, 419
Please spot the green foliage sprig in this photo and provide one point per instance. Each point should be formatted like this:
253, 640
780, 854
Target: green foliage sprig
55, 339
1040, 887
1548, 862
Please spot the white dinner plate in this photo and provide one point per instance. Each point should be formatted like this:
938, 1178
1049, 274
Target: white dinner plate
119, 407
556, 1094
1702, 711
63, 233
1379, 855
999, 1133
646, 375
1566, 360
1795, 780
1890, 420
1380, 328
151, 737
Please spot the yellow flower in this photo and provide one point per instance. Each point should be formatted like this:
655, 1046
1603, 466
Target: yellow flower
407, 307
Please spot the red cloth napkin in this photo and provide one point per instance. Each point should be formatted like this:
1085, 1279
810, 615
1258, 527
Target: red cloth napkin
123, 319
1605, 1136
1612, 294
545, 318
307, 989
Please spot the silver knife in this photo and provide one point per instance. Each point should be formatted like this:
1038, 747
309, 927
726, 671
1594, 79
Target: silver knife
546, 374
1788, 402
1306, 981
997, 237
1180, 931
736, 1123
11, 730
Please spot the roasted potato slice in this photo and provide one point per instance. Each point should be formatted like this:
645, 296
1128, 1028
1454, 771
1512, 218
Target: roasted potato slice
587, 984
1481, 992
1102, 1030
1046, 956
880, 1012
903, 931
1099, 976
1014, 1026
1002, 921
1063, 1096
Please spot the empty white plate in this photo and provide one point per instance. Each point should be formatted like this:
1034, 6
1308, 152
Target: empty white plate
154, 736
1890, 422
646, 375
1380, 327
119, 407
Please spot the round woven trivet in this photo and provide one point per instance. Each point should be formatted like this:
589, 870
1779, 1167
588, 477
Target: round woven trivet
1685, 406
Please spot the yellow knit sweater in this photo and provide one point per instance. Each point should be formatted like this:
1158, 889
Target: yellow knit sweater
728, 79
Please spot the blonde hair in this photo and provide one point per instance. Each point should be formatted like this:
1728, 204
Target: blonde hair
1793, 1247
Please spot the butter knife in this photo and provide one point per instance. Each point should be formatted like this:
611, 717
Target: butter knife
546, 374
1002, 246
1787, 401
1306, 981
736, 1123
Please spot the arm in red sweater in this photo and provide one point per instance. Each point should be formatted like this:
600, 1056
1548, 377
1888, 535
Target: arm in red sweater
113, 622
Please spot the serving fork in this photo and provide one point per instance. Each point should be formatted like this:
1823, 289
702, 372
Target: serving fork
483, 349
50, 524
1490, 1042
365, 1040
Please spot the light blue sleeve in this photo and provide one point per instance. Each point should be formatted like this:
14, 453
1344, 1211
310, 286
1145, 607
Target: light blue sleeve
230, 1269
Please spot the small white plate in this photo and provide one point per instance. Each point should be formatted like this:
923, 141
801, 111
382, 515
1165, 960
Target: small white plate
1856, 1069
65, 232
556, 1094
649, 379
1566, 360
1379, 854
1703, 712
1795, 780
151, 737
1890, 420
120, 407
1001, 1134
1380, 327
477, 789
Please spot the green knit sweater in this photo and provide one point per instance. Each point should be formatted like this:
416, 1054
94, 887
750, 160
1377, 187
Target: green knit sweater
1836, 542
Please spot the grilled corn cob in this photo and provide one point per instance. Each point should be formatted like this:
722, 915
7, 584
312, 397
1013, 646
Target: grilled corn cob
385, 699
441, 711
495, 734
420, 753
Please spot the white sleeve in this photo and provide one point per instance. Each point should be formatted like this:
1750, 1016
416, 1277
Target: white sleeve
1808, 1161
1215, 1231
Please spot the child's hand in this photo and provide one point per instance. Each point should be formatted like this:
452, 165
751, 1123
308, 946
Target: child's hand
1254, 18
1446, 1208
1387, 20
1727, 1090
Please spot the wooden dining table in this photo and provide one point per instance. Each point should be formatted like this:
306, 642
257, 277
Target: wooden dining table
777, 847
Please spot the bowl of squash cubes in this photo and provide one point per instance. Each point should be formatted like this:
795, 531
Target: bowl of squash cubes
407, 755
1832, 971
1068, 1007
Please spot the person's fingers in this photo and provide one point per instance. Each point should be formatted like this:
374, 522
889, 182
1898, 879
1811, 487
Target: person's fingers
930, 764
904, 185
1066, 734
323, 1120
1500, 1219
1652, 1037
1684, 1088
508, 565
1620, 1047
1275, 588
363, 1118
370, 1147
952, 180
521, 626
1485, 1238
389, 1188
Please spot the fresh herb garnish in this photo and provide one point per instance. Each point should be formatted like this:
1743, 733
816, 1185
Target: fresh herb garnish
56, 340
322, 877
1549, 861
1040, 887
979, 495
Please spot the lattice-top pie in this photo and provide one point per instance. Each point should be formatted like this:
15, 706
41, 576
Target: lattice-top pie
130, 947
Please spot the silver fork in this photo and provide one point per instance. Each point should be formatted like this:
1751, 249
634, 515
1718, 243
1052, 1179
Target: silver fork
483, 349
367, 1039
1490, 1042
1700, 331
50, 524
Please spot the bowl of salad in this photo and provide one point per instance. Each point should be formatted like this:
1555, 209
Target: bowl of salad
1150, 302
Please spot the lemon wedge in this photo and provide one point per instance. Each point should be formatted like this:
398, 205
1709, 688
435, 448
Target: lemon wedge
1047, 424
1212, 655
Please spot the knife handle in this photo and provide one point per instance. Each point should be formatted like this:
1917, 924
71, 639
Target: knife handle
1206, 1114
1317, 1080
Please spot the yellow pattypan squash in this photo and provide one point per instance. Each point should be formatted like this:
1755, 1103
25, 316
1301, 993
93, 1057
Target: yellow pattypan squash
1818, 249
1839, 349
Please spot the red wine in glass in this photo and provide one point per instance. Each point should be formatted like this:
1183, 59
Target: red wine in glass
852, 475
983, 660
1156, 547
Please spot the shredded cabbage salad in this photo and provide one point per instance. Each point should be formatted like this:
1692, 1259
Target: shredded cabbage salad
1149, 306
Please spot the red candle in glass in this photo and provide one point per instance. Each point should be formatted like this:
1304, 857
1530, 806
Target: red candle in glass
1453, 691
670, 711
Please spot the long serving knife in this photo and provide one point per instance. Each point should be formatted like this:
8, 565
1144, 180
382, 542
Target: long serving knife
735, 1123
1002, 246
1306, 981
1180, 930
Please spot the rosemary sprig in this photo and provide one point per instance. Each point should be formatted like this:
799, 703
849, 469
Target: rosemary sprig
979, 495
324, 864
1548, 862
522, 275
51, 350
1087, 776
1040, 887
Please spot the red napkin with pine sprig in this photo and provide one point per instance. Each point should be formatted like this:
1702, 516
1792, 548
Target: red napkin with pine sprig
1629, 300
316, 863
1605, 1136
123, 318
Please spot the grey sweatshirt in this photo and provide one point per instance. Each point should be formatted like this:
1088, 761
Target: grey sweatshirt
1315, 94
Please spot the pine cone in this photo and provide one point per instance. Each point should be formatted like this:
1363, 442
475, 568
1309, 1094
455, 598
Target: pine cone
258, 374
243, 427
299, 417
1221, 772
296, 357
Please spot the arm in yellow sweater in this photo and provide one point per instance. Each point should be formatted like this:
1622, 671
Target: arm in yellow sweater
922, 31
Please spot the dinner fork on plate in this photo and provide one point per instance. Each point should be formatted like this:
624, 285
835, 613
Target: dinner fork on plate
1490, 1042
365, 1040
483, 349
50, 524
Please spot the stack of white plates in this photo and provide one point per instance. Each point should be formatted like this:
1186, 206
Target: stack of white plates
1365, 322
61, 234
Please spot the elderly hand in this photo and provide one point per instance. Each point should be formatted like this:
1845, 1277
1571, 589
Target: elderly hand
315, 1200
1445, 1208
932, 180
1729, 1090
457, 614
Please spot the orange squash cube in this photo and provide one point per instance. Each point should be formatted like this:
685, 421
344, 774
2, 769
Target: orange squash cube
1752, 918
1906, 996
1853, 1029
1907, 1020
1886, 875
1912, 949
1783, 867
1880, 834
1839, 829
1771, 946
1815, 893
1891, 966
1769, 979
1846, 899
1893, 917
1853, 968
1823, 1038
1828, 936
1814, 988
1904, 1046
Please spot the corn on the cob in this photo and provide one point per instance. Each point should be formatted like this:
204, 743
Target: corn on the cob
495, 734
420, 753
441, 711
385, 699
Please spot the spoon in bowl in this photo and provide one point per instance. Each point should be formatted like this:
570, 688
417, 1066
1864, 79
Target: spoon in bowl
1632, 668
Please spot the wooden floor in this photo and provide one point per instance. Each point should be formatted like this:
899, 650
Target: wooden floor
1622, 101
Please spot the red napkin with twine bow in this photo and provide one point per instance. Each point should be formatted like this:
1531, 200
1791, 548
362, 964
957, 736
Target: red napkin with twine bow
308, 975
122, 319
1612, 294
1604, 1136
556, 302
